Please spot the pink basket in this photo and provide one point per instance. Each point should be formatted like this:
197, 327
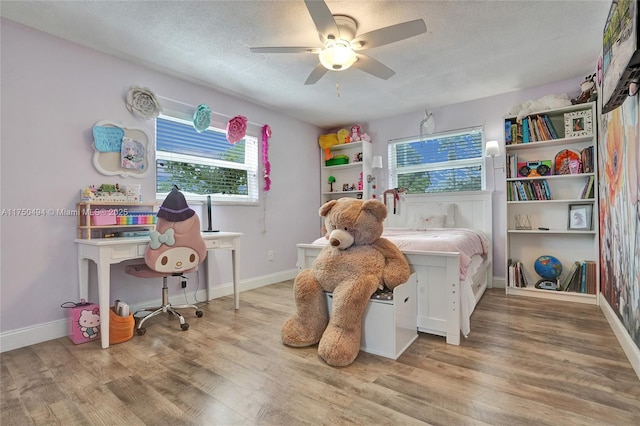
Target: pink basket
103, 217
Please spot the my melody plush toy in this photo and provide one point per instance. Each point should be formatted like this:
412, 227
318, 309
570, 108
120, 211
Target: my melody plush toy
176, 244
353, 265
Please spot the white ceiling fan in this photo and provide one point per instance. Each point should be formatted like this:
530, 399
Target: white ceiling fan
341, 48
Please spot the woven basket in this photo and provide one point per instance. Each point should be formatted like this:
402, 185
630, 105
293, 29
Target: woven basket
120, 328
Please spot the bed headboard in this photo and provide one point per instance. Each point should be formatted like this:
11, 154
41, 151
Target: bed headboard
471, 209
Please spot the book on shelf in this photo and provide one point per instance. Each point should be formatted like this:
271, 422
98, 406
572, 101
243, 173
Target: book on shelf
581, 278
552, 130
546, 188
507, 132
529, 190
568, 280
587, 190
544, 135
517, 275
590, 277
525, 130
533, 128
586, 156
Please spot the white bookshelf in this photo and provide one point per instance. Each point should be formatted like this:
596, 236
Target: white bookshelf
548, 219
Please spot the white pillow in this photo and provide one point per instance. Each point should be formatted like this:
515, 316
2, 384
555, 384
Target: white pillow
430, 221
439, 216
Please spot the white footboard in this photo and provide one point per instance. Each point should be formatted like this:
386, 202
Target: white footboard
438, 275
438, 298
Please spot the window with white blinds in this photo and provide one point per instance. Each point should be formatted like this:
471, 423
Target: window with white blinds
202, 164
446, 162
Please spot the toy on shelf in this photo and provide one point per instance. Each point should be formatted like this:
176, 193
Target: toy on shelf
343, 136
355, 133
111, 193
326, 142
331, 181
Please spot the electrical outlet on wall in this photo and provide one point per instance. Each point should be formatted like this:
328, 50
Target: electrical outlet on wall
270, 255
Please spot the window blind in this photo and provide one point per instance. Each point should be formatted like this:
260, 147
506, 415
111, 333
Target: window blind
202, 164
447, 162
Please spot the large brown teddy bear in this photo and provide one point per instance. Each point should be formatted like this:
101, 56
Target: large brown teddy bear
353, 265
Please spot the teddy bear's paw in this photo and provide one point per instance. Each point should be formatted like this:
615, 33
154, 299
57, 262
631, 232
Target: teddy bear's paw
296, 334
338, 348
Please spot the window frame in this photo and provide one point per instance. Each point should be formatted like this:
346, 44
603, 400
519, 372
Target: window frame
250, 165
480, 161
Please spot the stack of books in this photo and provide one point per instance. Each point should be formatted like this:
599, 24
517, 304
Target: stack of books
534, 128
581, 278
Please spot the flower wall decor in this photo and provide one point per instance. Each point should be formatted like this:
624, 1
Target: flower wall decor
202, 118
236, 129
266, 134
142, 103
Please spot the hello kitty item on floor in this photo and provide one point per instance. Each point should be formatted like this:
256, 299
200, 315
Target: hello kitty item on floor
83, 321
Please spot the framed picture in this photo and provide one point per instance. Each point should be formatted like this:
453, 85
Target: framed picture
580, 217
578, 123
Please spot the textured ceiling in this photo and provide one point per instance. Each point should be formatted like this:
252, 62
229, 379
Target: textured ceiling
471, 50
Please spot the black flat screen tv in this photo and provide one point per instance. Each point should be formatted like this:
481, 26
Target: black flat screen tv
620, 53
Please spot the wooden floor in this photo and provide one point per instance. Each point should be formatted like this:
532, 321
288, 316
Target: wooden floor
526, 362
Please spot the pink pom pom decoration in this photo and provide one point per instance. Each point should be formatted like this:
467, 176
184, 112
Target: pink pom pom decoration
236, 129
266, 134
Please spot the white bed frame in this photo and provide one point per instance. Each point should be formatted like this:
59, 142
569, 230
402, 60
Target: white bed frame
438, 273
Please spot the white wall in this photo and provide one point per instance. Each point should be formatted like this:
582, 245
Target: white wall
53, 92
487, 112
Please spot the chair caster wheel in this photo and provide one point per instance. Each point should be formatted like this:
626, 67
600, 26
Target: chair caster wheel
199, 314
184, 326
141, 331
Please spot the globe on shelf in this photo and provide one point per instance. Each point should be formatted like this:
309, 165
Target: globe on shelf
549, 268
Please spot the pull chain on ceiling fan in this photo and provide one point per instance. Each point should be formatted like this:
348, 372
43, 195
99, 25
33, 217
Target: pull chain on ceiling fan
341, 48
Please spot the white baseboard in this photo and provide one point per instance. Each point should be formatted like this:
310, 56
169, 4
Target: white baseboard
628, 346
499, 282
19, 338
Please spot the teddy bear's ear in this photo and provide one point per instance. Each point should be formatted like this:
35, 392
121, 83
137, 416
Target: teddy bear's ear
326, 207
376, 208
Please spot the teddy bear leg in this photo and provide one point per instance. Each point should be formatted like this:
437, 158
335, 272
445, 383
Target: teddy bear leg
305, 326
340, 343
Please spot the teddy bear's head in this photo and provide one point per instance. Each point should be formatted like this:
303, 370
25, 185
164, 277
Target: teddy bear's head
350, 221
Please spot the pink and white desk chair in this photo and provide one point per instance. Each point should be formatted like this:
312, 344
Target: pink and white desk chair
176, 248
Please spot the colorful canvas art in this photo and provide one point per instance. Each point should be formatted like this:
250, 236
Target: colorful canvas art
619, 164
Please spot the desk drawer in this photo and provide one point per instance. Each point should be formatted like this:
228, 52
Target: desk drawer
126, 251
220, 243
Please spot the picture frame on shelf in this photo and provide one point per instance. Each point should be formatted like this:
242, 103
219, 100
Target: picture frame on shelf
580, 216
578, 123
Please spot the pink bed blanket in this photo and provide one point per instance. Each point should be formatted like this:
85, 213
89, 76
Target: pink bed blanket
467, 242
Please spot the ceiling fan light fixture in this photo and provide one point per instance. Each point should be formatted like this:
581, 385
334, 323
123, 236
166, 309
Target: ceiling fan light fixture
337, 55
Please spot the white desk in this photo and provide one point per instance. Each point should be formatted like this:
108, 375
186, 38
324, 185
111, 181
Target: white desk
108, 251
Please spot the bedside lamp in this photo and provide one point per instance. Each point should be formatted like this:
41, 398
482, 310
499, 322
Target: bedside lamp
492, 149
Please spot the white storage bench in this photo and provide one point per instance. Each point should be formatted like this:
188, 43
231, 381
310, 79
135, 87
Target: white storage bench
389, 326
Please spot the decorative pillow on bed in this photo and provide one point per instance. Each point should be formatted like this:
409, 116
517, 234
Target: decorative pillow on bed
439, 216
430, 221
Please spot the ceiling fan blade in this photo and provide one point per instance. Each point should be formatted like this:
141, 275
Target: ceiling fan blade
373, 67
389, 34
316, 74
285, 49
323, 19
